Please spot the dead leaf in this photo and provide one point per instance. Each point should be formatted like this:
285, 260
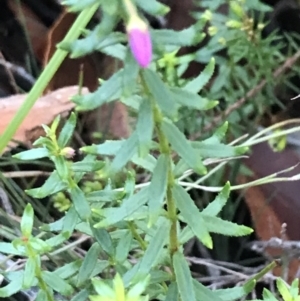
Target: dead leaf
273, 204
43, 112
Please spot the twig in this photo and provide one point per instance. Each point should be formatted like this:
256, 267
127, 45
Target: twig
287, 65
25, 174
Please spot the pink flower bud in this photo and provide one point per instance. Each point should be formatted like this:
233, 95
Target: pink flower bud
68, 152
140, 41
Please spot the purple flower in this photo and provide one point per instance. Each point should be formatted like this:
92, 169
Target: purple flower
140, 41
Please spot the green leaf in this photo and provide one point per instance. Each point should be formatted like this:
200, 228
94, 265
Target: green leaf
172, 293
160, 92
89, 160
148, 163
183, 147
192, 100
110, 90
215, 207
104, 240
32, 154
197, 84
29, 272
81, 296
144, 127
283, 289
12, 288
68, 270
8, 248
104, 196
123, 247
186, 37
59, 239
61, 167
27, 221
57, 284
153, 7
52, 185
203, 293
154, 249
131, 205
184, 278
70, 220
234, 293
84, 166
43, 295
108, 148
158, 186
129, 148
218, 135
268, 296
217, 225
218, 150
40, 246
76, 6
130, 74
88, 264
191, 215
80, 203
67, 131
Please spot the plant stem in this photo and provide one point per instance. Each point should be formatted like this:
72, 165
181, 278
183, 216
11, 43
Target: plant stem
171, 206
48, 73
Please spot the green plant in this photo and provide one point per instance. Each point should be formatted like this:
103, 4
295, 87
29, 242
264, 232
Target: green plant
287, 293
137, 232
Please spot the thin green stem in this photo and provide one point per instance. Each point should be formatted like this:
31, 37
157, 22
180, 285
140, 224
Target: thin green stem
48, 73
171, 206
137, 236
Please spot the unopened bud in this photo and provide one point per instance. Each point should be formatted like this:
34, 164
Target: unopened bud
139, 41
68, 152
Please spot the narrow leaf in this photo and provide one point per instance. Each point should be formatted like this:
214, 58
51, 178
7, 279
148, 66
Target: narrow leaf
88, 264
160, 92
52, 185
108, 91
80, 203
172, 293
158, 186
183, 147
27, 220
203, 293
57, 284
81, 296
192, 100
87, 166
127, 151
153, 7
144, 127
154, 249
191, 215
197, 84
123, 247
104, 240
186, 37
67, 131
184, 278
217, 225
32, 154
29, 272
131, 205
215, 207
12, 288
